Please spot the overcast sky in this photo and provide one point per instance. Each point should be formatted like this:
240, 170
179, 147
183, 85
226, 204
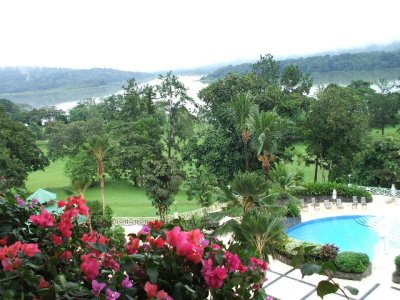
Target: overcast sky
153, 35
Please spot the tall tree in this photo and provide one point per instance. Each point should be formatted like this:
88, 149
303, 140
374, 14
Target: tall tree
163, 178
19, 153
242, 105
267, 69
173, 96
98, 148
335, 128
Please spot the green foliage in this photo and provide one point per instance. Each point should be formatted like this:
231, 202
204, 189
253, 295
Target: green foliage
293, 210
397, 262
162, 178
19, 153
325, 189
259, 232
201, 185
335, 129
379, 163
81, 170
352, 262
99, 221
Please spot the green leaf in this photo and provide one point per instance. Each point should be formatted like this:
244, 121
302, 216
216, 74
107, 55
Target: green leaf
236, 281
297, 260
138, 256
325, 287
328, 265
351, 289
310, 269
153, 275
219, 259
100, 247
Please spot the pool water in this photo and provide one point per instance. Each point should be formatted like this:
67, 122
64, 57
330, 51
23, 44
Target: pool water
349, 233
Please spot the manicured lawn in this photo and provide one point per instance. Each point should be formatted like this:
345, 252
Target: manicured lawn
123, 198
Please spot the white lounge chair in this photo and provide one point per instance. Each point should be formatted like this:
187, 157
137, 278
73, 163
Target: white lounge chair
363, 202
339, 203
314, 203
327, 204
304, 205
355, 203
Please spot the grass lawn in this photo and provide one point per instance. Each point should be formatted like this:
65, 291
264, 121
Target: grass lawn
125, 199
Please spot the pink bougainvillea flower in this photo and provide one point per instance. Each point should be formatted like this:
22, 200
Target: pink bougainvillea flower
45, 219
3, 241
162, 295
195, 236
158, 242
7, 264
66, 256
57, 240
259, 262
112, 295
61, 203
109, 262
156, 225
65, 227
233, 262
133, 246
20, 201
214, 277
97, 287
13, 249
126, 283
94, 237
43, 284
90, 266
151, 289
30, 249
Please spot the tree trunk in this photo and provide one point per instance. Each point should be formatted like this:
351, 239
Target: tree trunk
101, 175
316, 170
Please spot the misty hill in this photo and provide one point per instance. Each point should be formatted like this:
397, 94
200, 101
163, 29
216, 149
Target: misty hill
22, 79
49, 86
333, 68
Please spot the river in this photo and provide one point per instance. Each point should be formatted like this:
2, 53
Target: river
192, 83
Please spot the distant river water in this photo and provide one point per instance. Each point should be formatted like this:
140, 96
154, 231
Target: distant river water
192, 83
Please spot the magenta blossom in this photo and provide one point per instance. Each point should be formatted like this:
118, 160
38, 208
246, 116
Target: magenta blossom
97, 287
126, 283
20, 201
112, 295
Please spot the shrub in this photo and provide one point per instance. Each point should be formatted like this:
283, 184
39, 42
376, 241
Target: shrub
325, 189
352, 262
293, 210
100, 222
397, 263
328, 252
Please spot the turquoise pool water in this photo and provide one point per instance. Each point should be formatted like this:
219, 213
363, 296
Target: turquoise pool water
349, 233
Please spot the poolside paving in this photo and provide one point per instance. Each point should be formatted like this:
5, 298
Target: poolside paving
286, 283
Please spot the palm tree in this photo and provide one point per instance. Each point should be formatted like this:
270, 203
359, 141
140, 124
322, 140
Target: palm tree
98, 147
265, 128
260, 231
243, 104
81, 183
247, 190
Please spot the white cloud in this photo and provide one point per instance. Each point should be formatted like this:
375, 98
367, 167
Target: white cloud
168, 34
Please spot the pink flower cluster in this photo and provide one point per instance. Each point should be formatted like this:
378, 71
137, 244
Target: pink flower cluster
9, 254
152, 291
187, 244
73, 207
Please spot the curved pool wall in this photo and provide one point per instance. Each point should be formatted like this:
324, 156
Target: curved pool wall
349, 233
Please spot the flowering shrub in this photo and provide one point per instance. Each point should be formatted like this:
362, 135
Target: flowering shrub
48, 256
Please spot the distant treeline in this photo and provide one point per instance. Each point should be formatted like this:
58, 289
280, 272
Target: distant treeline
23, 79
384, 64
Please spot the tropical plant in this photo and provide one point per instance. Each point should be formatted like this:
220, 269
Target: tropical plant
243, 104
201, 185
162, 179
259, 231
98, 148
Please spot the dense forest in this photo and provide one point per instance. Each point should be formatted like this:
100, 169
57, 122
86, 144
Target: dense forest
333, 68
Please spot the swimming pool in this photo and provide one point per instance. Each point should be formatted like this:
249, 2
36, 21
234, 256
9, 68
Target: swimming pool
358, 233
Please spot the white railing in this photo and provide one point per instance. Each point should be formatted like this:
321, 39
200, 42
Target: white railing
130, 221
381, 191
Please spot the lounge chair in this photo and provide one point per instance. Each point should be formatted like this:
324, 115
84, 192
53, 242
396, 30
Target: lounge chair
355, 203
339, 203
327, 204
304, 205
314, 203
363, 202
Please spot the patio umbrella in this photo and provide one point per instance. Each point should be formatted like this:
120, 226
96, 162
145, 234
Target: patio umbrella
42, 196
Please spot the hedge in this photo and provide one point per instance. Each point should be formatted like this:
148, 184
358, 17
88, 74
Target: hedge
325, 189
397, 263
352, 262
